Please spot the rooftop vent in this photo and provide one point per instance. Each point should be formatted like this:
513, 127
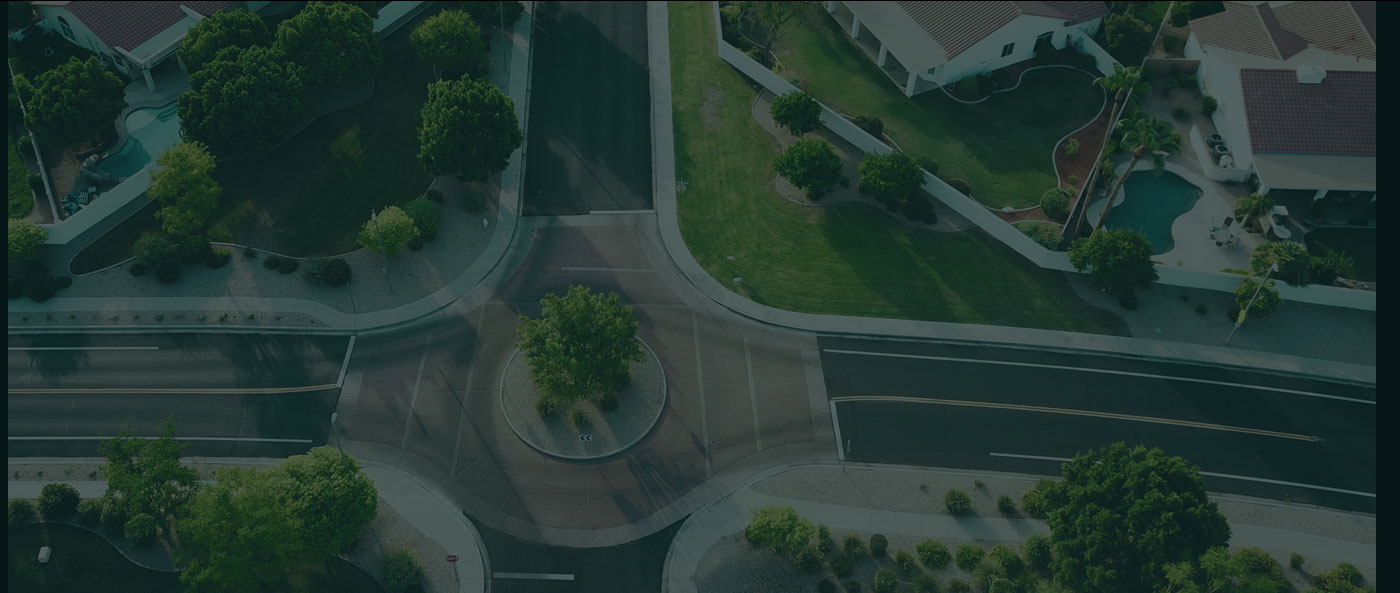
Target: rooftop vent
1311, 75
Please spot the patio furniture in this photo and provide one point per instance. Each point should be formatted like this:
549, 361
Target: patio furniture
1276, 217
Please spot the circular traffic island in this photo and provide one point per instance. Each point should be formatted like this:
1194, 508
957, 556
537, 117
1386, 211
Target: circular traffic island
582, 430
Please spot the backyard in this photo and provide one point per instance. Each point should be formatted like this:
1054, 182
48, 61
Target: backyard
849, 259
1002, 146
1358, 243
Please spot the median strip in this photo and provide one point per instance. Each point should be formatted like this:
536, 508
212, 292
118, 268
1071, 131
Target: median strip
1211, 474
52, 348
100, 438
168, 390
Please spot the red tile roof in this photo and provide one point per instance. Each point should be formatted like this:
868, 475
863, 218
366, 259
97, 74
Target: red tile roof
129, 24
1336, 117
957, 26
1338, 27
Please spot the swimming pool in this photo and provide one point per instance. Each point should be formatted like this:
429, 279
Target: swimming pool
150, 130
1151, 204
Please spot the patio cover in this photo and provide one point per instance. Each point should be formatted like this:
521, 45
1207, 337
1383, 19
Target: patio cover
1316, 171
901, 35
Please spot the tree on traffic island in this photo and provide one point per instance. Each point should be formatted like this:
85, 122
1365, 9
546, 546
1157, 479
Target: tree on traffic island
581, 345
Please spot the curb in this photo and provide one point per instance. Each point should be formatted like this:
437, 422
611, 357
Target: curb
108, 539
446, 502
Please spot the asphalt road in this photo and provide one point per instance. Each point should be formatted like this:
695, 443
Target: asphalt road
590, 137
521, 567
1024, 411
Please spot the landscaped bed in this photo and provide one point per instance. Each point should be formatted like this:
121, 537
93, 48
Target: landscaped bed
21, 199
849, 259
1359, 243
1002, 146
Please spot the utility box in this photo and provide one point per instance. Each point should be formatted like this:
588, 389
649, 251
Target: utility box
44, 555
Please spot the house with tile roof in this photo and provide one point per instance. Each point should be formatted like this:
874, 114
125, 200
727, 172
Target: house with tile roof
132, 37
1296, 87
940, 43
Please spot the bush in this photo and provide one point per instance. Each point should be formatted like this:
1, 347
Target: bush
986, 573
1208, 105
217, 258
579, 418
928, 165
1037, 549
285, 265
872, 125
823, 539
90, 513
1296, 561
1325, 269
113, 517
1072, 147
969, 88
141, 529
1055, 203
905, 561
957, 502
1006, 505
168, 270
1344, 578
958, 586
932, 554
920, 209
424, 213
878, 545
545, 407
809, 559
968, 557
401, 569
925, 583
194, 249
826, 586
961, 185
885, 581
841, 566
853, 546
1007, 559
328, 271
58, 501
23, 145
138, 268
1072, 180
21, 512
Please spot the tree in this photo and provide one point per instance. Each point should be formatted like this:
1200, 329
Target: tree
771, 16
218, 109
334, 43
18, 14
1055, 202
1121, 260
797, 111
370, 7
145, 476
58, 501
1252, 206
1264, 304
493, 15
330, 497
469, 128
1126, 37
810, 164
235, 535
891, 178
1120, 83
25, 239
452, 41
581, 345
1344, 578
388, 232
225, 28
1120, 515
402, 569
73, 102
1037, 550
185, 184
1292, 258
780, 528
1147, 135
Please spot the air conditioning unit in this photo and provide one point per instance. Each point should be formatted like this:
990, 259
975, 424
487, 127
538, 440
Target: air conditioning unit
1227, 161
1311, 74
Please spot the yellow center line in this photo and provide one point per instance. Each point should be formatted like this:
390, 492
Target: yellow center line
170, 390
1090, 413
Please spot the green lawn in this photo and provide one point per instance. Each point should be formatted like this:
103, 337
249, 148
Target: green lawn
1002, 146
311, 195
21, 199
851, 259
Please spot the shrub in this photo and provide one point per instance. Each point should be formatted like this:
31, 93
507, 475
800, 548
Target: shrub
1296, 561
928, 165
853, 546
925, 583
1208, 105
168, 270
138, 268
193, 249
1006, 505
871, 124
1055, 203
217, 258
885, 581
401, 569
958, 586
545, 407
841, 566
797, 111
823, 539
58, 501
809, 559
328, 271
932, 554
424, 213
21, 512
114, 516
968, 557
90, 513
905, 561
1072, 147
141, 529
1037, 550
1344, 578
878, 545
1264, 304
961, 185
1325, 269
1072, 180
986, 573
23, 145
824, 585
969, 88
1007, 559
284, 265
1033, 501
957, 502
579, 418
920, 209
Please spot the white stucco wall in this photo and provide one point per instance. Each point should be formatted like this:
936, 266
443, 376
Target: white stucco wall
985, 55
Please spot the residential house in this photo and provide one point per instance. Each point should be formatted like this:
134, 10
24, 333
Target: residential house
939, 43
1296, 87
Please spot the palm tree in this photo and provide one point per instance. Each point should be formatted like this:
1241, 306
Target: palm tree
1252, 206
1120, 83
1149, 135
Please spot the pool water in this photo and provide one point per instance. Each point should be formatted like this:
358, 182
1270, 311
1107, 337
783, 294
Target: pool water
150, 131
1151, 204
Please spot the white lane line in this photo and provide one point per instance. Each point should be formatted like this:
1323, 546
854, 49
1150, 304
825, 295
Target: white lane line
840, 450
1103, 371
18, 348
166, 390
345, 364
597, 212
753, 398
700, 387
1072, 412
593, 269
1212, 474
408, 421
539, 576
232, 439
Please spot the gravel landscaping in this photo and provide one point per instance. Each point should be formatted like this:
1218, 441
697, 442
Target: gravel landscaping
639, 406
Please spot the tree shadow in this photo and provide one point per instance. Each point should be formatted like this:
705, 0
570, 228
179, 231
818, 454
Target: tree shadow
55, 365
